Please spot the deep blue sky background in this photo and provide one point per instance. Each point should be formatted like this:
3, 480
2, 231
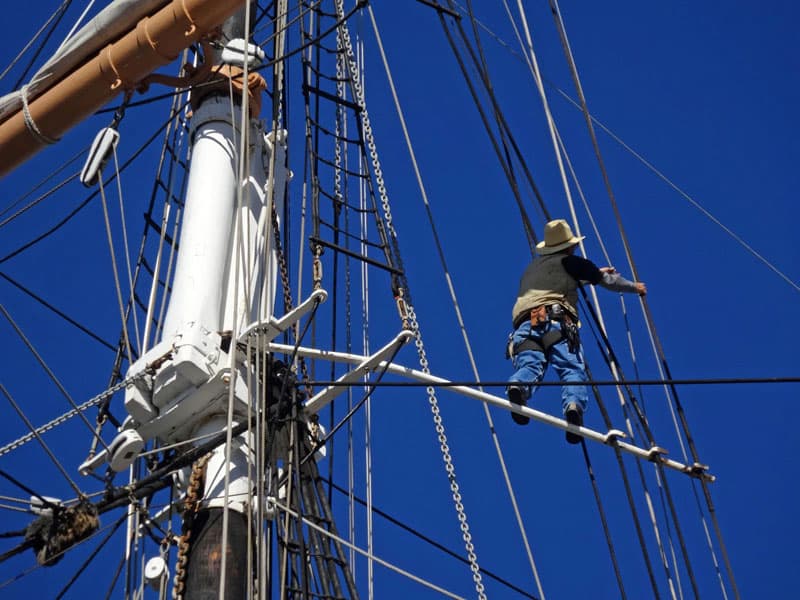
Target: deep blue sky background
706, 92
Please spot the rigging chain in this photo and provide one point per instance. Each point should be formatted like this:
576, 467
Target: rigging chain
454, 299
191, 506
434, 403
287, 293
340, 188
68, 415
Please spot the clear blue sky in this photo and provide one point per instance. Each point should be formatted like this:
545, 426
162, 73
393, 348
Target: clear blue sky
707, 93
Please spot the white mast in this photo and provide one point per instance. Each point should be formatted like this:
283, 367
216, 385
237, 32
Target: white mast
191, 383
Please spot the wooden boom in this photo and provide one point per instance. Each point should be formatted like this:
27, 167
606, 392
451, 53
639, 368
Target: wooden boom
155, 41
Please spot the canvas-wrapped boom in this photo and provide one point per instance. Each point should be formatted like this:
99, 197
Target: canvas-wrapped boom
155, 41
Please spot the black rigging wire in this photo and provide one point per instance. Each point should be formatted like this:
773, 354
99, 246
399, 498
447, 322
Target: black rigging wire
115, 578
610, 357
264, 12
58, 312
91, 557
47, 503
264, 66
646, 309
27, 544
634, 362
313, 66
640, 414
590, 382
52, 22
679, 532
440, 9
10, 534
296, 475
46, 194
628, 491
505, 130
527, 226
428, 540
86, 201
602, 513
354, 409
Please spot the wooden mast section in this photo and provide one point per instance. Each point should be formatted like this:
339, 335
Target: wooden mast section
154, 42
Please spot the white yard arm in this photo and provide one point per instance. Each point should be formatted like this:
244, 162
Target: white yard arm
611, 438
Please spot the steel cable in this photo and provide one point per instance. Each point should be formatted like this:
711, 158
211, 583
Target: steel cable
648, 316
454, 299
414, 325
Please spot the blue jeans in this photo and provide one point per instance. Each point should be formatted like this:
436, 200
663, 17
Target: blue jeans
530, 365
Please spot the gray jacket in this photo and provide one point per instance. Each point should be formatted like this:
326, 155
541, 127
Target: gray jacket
554, 279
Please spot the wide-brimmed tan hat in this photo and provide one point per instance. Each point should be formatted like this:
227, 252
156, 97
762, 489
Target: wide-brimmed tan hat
557, 236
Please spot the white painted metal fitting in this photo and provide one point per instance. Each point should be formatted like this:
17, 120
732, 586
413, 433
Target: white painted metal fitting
234, 54
155, 571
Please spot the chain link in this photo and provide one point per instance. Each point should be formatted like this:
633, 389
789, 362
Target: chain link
404, 306
358, 90
283, 268
340, 190
68, 415
447, 458
287, 292
191, 504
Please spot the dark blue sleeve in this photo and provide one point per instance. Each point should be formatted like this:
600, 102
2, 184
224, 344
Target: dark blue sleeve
582, 269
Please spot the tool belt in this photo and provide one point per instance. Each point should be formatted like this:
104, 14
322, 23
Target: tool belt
541, 315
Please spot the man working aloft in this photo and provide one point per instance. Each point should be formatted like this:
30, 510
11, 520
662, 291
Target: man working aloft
546, 320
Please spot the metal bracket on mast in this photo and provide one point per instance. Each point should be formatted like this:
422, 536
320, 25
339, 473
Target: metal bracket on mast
271, 328
323, 398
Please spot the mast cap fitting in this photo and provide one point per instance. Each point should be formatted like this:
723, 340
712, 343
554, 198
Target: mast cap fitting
238, 51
